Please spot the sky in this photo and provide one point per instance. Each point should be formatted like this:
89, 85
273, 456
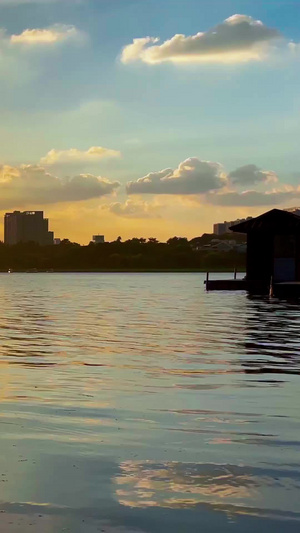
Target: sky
143, 118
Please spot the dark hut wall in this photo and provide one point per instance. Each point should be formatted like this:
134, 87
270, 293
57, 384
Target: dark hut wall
273, 246
270, 255
260, 252
297, 257
285, 250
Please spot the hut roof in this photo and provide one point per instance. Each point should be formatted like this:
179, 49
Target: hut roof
274, 221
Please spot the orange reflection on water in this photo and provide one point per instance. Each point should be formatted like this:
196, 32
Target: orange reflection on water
174, 484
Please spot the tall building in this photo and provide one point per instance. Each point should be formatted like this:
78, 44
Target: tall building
220, 228
29, 226
98, 239
223, 227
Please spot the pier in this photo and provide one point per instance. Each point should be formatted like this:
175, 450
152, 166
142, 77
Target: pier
273, 256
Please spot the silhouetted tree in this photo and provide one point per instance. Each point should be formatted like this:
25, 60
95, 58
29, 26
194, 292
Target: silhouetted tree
175, 241
136, 253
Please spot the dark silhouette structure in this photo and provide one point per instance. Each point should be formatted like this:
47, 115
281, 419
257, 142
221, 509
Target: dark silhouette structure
273, 256
273, 246
29, 226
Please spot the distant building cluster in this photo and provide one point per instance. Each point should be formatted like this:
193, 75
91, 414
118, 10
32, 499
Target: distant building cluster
29, 226
223, 227
218, 245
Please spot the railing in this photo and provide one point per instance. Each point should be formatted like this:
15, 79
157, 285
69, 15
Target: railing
206, 282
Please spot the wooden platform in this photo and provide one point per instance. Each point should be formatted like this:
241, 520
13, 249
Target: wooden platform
226, 285
290, 289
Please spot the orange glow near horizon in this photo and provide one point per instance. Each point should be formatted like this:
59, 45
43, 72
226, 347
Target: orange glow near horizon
79, 221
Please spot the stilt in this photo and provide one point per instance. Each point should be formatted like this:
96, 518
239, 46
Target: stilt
271, 292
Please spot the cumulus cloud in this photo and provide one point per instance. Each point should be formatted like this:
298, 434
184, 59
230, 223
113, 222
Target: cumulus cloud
238, 39
192, 176
254, 198
38, 39
95, 153
32, 185
22, 55
47, 36
207, 182
133, 209
250, 174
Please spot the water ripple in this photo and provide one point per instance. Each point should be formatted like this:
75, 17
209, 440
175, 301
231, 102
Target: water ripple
139, 400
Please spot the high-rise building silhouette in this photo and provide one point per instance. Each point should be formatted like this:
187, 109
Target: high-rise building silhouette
98, 239
224, 227
29, 226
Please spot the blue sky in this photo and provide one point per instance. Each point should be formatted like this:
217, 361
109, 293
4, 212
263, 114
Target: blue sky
66, 84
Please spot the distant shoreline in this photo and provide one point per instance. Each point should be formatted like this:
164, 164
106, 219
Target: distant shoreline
125, 270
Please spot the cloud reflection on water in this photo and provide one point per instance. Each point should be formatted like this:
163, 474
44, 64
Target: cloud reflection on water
232, 489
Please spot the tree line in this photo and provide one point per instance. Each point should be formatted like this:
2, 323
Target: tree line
133, 254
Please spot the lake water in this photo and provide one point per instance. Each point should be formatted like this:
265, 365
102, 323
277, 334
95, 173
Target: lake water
141, 403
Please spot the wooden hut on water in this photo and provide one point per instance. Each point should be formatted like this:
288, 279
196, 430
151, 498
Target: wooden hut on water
273, 253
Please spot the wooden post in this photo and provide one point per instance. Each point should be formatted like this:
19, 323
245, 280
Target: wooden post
207, 279
234, 273
271, 292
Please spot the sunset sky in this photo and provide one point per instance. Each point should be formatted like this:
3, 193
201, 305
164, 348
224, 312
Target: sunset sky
148, 118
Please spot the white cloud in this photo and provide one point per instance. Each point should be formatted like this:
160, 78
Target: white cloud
205, 182
32, 185
133, 209
254, 198
22, 56
95, 153
46, 36
250, 174
192, 176
136, 50
294, 47
238, 39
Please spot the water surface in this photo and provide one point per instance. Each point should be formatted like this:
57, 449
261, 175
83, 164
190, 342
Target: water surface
141, 403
